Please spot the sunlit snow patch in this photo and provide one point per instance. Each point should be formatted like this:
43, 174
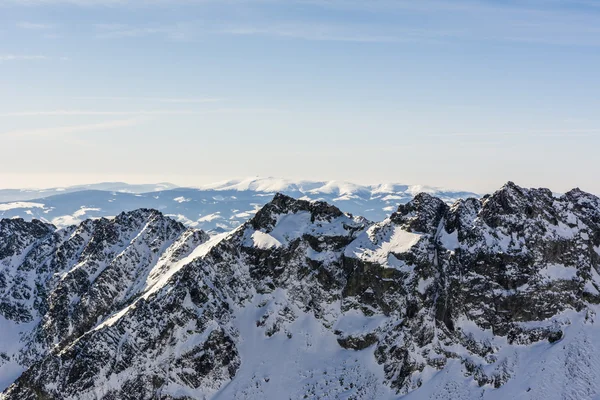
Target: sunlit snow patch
19, 204
380, 241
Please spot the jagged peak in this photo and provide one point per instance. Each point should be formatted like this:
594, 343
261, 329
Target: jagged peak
510, 189
421, 202
578, 195
283, 204
462, 213
16, 234
137, 216
511, 185
422, 214
141, 212
512, 199
470, 202
513, 190
35, 226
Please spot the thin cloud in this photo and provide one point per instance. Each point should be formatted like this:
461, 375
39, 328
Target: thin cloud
70, 129
21, 57
153, 99
139, 113
533, 133
306, 30
34, 26
538, 22
313, 32
82, 3
543, 22
130, 32
69, 113
179, 31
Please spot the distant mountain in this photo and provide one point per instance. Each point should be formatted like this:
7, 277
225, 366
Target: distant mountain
8, 195
488, 298
215, 208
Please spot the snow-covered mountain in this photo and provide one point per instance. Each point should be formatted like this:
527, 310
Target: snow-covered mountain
214, 208
492, 298
12, 195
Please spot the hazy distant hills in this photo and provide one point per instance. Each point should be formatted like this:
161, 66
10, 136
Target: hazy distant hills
7, 195
216, 207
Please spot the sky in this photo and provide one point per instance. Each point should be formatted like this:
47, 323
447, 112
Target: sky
458, 94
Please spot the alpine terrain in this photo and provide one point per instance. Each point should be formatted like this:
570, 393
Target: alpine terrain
214, 208
484, 298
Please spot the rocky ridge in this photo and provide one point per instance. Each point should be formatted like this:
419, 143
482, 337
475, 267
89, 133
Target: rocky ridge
485, 298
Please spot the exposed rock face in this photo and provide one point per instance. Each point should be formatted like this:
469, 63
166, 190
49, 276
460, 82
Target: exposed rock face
304, 301
62, 283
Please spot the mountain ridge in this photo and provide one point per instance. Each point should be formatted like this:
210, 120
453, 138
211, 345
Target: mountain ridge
218, 207
304, 301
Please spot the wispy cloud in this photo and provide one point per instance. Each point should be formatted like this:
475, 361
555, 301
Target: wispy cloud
320, 32
28, 57
527, 133
83, 3
34, 26
55, 132
547, 22
137, 113
76, 113
21, 57
189, 100
306, 30
109, 31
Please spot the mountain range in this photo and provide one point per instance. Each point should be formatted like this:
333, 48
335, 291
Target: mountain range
493, 297
214, 208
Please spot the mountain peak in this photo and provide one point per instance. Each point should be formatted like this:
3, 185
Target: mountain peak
283, 204
512, 199
35, 226
422, 214
581, 196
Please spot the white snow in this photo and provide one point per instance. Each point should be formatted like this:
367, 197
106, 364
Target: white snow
83, 210
75, 218
264, 241
449, 240
215, 210
354, 322
289, 227
183, 219
20, 204
163, 271
10, 344
380, 241
342, 189
308, 364
65, 220
210, 217
158, 278
423, 284
254, 184
567, 369
558, 271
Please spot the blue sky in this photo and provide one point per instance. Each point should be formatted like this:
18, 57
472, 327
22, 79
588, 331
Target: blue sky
461, 94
